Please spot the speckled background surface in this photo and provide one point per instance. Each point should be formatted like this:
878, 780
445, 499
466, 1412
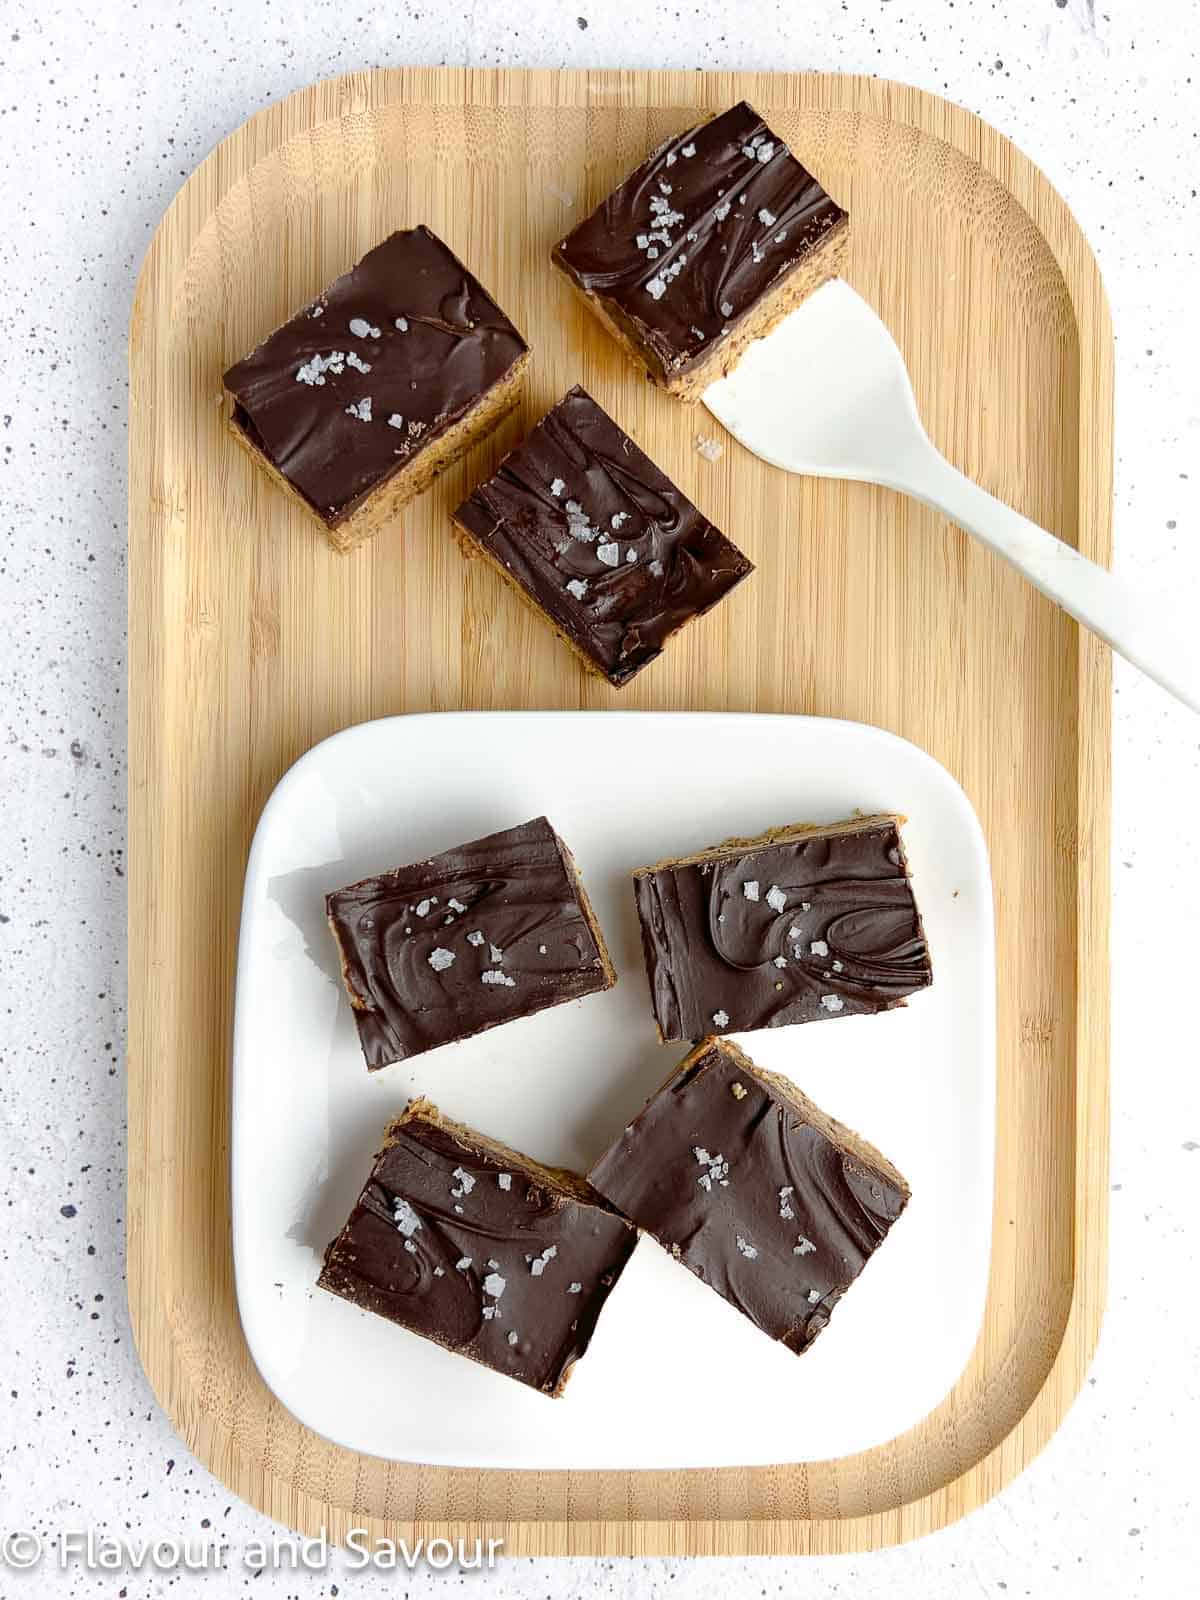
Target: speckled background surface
103, 111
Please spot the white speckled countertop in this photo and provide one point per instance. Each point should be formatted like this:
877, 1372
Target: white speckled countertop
104, 109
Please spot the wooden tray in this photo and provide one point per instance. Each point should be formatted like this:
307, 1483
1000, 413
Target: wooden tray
250, 640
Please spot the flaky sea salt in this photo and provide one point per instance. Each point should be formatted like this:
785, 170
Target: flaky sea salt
360, 409
750, 889
819, 947
575, 1288
504, 1179
776, 898
465, 1183
463, 1264
406, 1219
395, 420
353, 359
441, 960
749, 1250
785, 1210
539, 1263
767, 218
577, 587
803, 1246
494, 1285
402, 324
495, 976
476, 938
720, 1019
557, 487
610, 554
362, 329
833, 1003
688, 150
726, 308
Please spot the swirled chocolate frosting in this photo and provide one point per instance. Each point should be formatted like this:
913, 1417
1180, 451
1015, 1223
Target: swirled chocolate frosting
391, 356
495, 929
689, 243
478, 1249
760, 935
773, 1204
600, 539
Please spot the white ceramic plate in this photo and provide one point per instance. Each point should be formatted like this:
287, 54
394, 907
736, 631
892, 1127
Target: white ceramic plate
675, 1377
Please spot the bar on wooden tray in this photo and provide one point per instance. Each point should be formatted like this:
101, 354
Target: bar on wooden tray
598, 540
357, 402
715, 237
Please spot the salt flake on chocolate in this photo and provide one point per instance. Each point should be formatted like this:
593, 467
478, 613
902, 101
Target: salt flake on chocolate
360, 409
750, 889
406, 1219
577, 587
749, 1250
833, 1003
441, 960
720, 1019
776, 898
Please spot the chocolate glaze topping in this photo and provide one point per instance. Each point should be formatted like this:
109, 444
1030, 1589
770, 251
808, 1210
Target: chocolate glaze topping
447, 947
479, 1253
772, 1210
690, 242
392, 355
814, 927
602, 539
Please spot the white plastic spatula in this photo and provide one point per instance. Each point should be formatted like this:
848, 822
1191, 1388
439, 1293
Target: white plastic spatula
860, 421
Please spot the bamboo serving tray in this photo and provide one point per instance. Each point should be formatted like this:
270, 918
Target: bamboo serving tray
251, 640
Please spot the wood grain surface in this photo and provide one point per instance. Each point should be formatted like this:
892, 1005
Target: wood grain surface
251, 640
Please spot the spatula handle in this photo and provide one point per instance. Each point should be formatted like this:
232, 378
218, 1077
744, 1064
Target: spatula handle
1134, 624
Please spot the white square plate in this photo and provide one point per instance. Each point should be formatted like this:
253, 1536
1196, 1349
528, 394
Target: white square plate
674, 1377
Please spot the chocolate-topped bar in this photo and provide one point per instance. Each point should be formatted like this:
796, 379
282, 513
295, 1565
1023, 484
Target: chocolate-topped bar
356, 403
482, 1250
442, 949
800, 924
718, 234
754, 1189
598, 539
